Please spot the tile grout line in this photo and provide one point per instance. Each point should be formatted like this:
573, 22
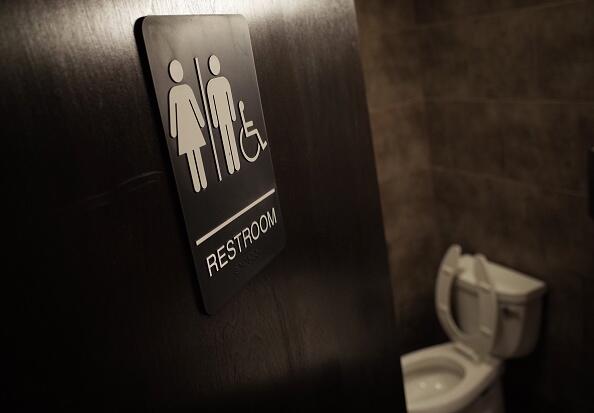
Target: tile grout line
503, 12
524, 101
505, 180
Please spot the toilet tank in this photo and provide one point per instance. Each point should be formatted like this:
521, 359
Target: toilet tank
520, 302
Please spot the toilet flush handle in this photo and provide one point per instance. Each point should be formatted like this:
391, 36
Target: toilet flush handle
509, 312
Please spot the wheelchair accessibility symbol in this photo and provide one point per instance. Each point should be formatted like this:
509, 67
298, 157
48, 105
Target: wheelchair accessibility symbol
245, 133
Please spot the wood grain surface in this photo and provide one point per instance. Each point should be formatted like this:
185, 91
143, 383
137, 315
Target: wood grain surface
100, 303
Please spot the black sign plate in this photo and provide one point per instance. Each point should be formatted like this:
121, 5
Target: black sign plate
207, 91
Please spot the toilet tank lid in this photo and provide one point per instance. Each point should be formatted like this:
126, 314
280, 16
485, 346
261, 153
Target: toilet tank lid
511, 286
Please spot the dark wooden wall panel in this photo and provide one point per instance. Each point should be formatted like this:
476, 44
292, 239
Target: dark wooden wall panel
100, 307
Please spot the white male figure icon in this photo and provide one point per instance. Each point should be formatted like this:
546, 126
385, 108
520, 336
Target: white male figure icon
220, 100
185, 121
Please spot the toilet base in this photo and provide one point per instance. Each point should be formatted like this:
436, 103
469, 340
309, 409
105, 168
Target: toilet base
491, 401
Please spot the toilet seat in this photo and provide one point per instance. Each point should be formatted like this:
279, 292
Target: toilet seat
479, 344
425, 366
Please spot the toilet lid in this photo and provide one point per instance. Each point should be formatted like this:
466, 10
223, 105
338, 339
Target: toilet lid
481, 342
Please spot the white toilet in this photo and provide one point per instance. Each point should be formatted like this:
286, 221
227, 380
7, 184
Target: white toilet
498, 311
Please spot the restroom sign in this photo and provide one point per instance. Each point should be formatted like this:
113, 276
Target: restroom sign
206, 88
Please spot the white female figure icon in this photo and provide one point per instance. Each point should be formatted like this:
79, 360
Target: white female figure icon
185, 123
222, 109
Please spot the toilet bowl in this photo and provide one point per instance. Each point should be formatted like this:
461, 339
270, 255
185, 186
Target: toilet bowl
440, 379
490, 313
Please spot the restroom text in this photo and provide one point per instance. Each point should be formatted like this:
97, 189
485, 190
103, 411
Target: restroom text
240, 242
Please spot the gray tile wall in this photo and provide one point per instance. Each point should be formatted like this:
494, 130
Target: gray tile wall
390, 50
482, 115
